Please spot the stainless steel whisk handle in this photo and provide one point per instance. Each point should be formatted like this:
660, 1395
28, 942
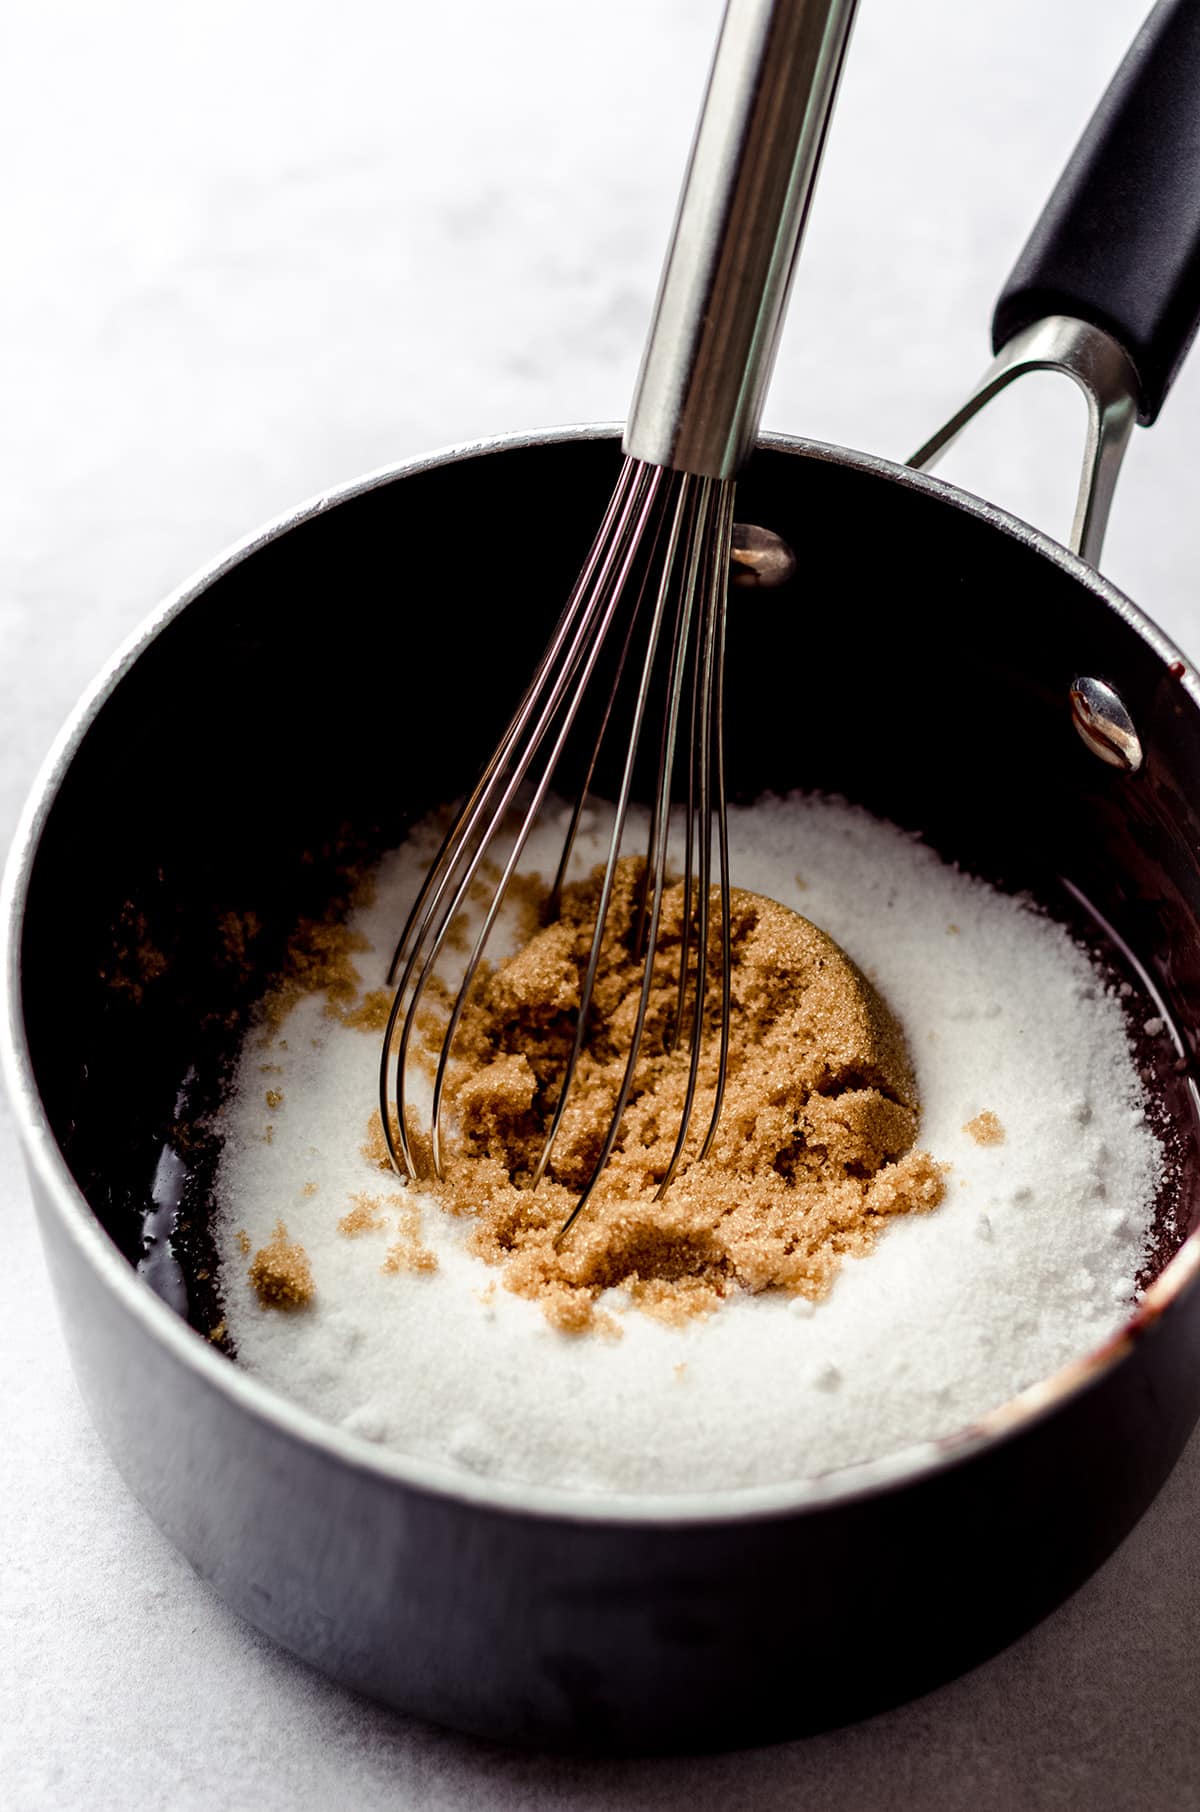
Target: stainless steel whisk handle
745, 200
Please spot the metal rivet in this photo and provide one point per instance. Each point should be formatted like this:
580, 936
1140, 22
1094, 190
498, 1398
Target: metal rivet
758, 557
1099, 714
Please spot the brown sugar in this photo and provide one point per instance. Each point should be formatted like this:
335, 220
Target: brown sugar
281, 1273
135, 960
320, 960
371, 1013
363, 1216
813, 1154
410, 1255
407, 1252
369, 1213
321, 952
374, 1149
985, 1129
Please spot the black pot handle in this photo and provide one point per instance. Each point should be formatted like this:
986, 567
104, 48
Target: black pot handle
1107, 291
1118, 243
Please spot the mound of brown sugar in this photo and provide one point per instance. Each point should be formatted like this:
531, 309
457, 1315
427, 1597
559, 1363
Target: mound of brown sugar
280, 1272
813, 1153
985, 1128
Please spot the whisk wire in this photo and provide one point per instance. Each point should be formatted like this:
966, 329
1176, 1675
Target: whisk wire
661, 558
663, 517
700, 749
704, 754
677, 519
689, 507
463, 851
675, 1030
586, 650
529, 819
656, 878
466, 822
721, 605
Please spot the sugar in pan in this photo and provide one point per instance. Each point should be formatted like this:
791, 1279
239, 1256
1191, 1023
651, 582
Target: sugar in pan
378, 1310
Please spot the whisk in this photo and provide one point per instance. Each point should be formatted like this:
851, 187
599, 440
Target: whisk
640, 647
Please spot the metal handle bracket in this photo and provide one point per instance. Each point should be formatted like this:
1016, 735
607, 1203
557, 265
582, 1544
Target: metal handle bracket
1102, 370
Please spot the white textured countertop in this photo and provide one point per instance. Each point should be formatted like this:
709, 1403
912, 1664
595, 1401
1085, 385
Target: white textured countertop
255, 249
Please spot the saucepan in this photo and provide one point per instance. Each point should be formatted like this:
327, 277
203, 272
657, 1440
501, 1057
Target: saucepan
988, 688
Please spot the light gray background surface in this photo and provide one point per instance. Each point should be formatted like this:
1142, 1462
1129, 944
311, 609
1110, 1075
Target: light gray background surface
252, 249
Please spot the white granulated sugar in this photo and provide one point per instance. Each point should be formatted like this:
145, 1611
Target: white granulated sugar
1030, 1261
